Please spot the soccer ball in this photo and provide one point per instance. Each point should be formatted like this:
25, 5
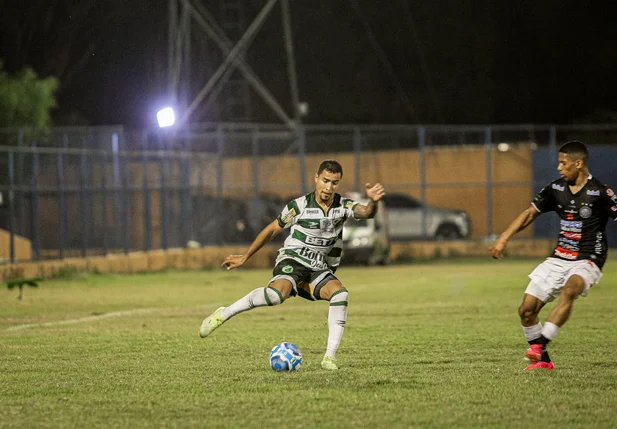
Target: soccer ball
285, 357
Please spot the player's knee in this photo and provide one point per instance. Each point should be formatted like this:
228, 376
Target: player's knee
340, 297
573, 288
569, 293
283, 287
526, 313
329, 289
273, 296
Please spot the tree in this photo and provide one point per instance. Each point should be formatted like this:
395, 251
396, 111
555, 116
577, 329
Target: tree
26, 99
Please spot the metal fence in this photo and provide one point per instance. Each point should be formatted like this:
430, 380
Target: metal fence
89, 191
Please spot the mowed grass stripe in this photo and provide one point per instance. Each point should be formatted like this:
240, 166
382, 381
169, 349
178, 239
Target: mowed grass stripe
429, 346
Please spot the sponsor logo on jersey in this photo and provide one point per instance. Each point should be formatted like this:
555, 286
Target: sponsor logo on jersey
557, 187
593, 193
336, 212
571, 211
565, 254
327, 225
312, 212
568, 229
599, 247
313, 224
316, 258
572, 235
585, 212
572, 224
565, 242
609, 192
287, 217
287, 269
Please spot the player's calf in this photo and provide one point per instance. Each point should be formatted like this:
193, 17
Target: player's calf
337, 317
260, 297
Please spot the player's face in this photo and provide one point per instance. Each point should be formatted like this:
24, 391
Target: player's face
569, 167
326, 185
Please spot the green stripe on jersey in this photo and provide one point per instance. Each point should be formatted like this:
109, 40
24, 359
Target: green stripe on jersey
309, 223
293, 205
335, 252
296, 255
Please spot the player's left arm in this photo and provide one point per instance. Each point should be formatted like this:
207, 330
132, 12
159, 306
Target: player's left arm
610, 202
374, 192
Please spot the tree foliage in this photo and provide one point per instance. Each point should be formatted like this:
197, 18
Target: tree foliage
26, 99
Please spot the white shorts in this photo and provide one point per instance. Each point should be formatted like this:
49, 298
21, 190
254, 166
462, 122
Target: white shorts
549, 278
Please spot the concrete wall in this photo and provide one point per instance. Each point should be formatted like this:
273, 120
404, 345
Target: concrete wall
212, 257
22, 246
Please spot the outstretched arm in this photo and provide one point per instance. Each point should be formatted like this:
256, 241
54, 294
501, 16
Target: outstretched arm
520, 223
267, 234
374, 192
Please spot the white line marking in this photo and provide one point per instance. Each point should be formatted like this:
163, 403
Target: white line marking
84, 319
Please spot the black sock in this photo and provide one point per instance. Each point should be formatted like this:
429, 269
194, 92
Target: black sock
544, 341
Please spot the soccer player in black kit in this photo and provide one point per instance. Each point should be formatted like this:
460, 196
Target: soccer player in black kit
584, 205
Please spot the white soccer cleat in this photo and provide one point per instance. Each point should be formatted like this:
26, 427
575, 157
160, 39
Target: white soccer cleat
211, 322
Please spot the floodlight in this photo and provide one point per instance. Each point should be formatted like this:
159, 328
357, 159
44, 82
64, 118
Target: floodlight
166, 117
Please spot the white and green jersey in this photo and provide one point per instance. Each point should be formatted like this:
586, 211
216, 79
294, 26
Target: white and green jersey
315, 240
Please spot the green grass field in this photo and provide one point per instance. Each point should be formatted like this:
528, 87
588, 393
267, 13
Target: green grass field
434, 345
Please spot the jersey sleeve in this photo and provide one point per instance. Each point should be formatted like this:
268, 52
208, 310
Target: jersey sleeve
289, 215
348, 206
610, 202
544, 201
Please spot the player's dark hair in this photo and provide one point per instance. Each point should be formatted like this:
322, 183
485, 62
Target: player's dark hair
332, 166
576, 150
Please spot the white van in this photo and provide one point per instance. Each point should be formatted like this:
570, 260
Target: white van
367, 241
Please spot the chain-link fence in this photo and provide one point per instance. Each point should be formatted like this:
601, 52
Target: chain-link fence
86, 191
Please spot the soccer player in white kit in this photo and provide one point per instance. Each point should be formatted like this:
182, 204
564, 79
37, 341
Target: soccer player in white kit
584, 205
306, 263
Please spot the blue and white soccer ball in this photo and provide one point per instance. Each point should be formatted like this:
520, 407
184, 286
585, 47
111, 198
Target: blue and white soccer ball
285, 357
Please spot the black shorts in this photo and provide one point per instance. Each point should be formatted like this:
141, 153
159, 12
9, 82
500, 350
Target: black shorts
306, 282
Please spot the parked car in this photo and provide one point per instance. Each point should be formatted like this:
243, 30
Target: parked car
237, 221
405, 220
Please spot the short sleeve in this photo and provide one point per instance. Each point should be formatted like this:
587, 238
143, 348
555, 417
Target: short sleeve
289, 215
544, 201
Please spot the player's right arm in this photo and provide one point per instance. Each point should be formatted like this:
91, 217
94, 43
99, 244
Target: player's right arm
265, 236
286, 219
521, 222
543, 202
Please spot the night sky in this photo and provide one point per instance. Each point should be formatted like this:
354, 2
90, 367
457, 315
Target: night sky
479, 62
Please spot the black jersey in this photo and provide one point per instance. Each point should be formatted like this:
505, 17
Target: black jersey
583, 218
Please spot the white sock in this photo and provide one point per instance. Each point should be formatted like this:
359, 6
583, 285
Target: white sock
532, 332
550, 331
259, 297
337, 316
